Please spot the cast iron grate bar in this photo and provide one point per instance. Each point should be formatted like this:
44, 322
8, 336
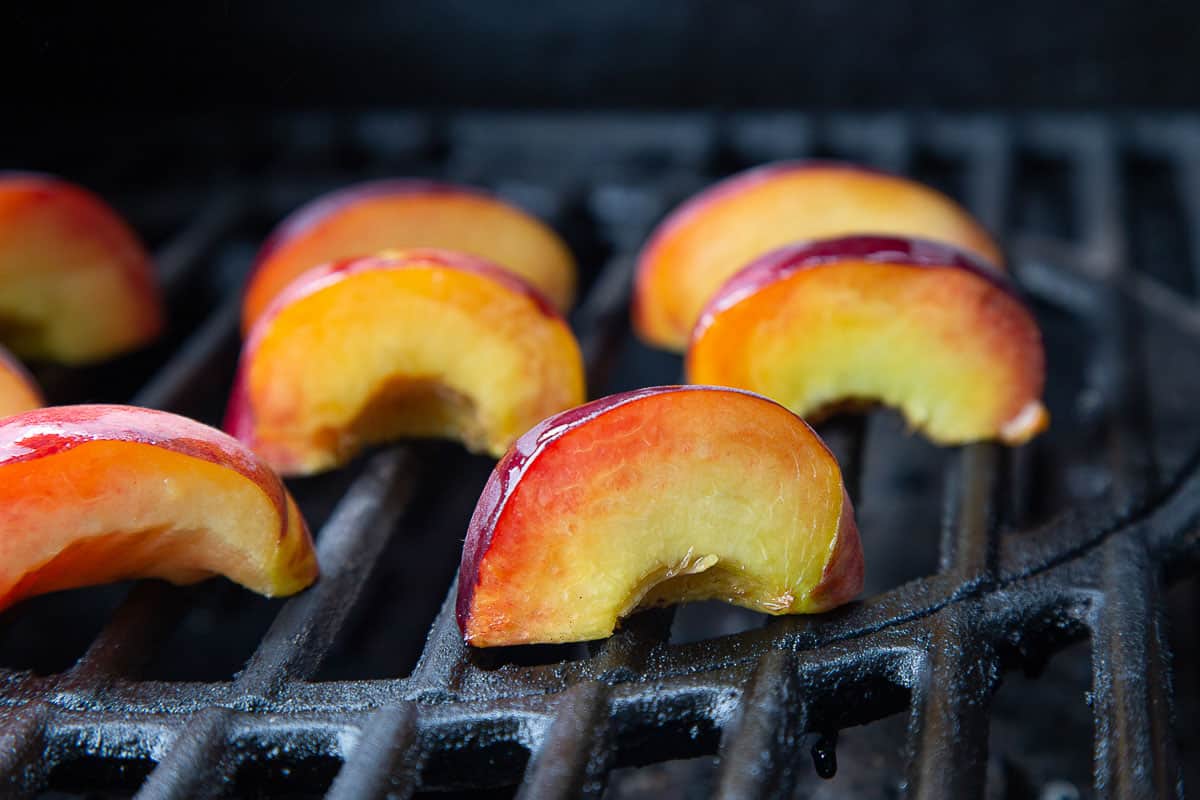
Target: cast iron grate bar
444, 656
1134, 750
884, 142
1134, 747
575, 754
1186, 162
177, 262
949, 719
760, 751
385, 760
948, 727
1131, 687
22, 742
196, 764
171, 385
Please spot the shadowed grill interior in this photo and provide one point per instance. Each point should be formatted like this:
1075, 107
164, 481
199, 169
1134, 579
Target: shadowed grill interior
982, 562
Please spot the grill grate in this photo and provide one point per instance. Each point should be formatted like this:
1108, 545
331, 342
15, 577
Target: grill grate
998, 558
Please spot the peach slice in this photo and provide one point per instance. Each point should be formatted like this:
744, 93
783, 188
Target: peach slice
401, 214
661, 495
716, 233
411, 343
76, 285
912, 324
93, 494
18, 390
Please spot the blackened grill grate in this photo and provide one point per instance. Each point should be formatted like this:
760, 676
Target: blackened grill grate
980, 560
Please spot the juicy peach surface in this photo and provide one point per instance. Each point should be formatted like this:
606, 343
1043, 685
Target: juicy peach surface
911, 324
93, 494
401, 214
650, 497
721, 230
76, 285
411, 343
18, 390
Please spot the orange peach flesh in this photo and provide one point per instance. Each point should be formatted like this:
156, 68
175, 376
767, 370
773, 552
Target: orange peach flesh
404, 345
673, 494
698, 247
959, 357
76, 286
104, 511
18, 392
434, 216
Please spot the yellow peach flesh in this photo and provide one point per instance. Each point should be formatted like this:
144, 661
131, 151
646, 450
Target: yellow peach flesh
959, 357
684, 495
75, 285
720, 231
422, 350
105, 511
439, 218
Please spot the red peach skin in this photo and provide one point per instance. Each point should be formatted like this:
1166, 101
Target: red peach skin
714, 234
407, 343
18, 390
400, 214
76, 285
915, 325
94, 494
657, 496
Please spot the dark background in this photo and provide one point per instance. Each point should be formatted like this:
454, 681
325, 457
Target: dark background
845, 54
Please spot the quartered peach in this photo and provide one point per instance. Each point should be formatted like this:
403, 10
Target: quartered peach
76, 285
399, 214
94, 494
657, 496
915, 325
719, 231
409, 343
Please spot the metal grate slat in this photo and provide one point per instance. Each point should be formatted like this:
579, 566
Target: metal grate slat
1134, 747
968, 547
177, 262
445, 654
142, 620
384, 762
575, 753
884, 142
22, 742
1135, 753
1186, 158
172, 384
760, 751
949, 716
194, 766
948, 728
